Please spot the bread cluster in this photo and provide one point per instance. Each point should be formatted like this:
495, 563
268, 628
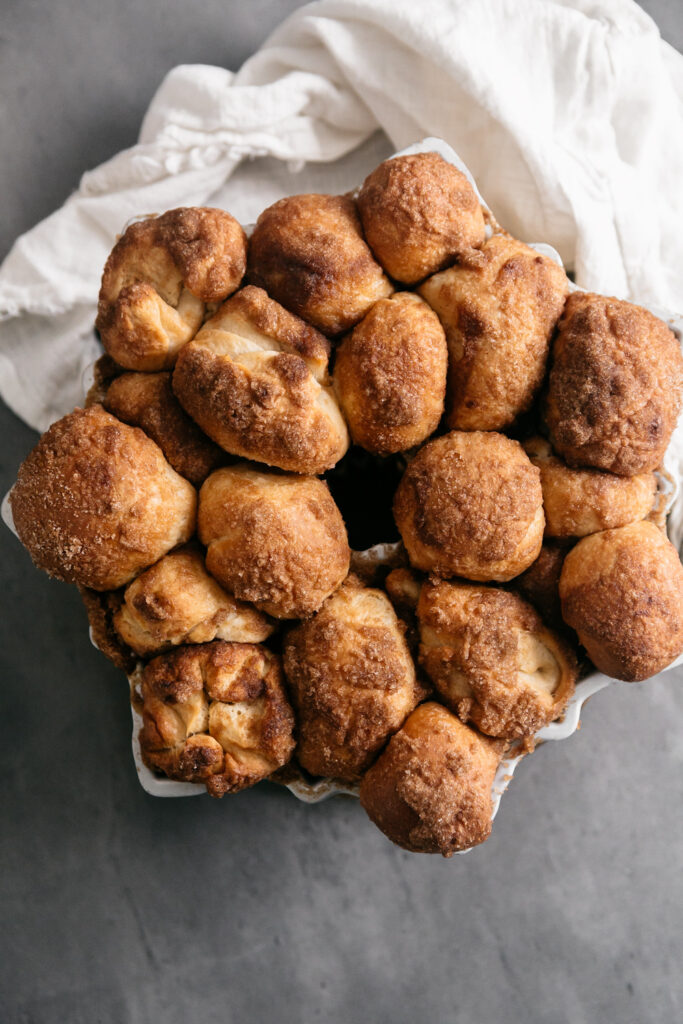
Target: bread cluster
391, 357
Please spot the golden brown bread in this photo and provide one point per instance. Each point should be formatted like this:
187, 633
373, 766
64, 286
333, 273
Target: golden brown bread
499, 307
430, 791
419, 214
577, 502
177, 602
470, 504
215, 714
146, 400
622, 591
160, 276
255, 379
352, 681
615, 386
540, 583
492, 659
96, 502
390, 375
309, 254
275, 540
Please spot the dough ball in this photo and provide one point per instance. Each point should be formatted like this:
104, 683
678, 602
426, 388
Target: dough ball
470, 504
419, 214
492, 659
615, 387
430, 791
499, 308
577, 502
352, 681
622, 591
275, 540
309, 253
540, 583
390, 375
160, 276
96, 502
215, 714
177, 602
146, 400
255, 379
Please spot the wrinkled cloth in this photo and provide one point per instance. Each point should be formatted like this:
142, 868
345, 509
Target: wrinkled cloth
569, 113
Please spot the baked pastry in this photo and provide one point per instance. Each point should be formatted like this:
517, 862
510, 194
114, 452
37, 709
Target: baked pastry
309, 254
255, 379
419, 214
492, 659
390, 375
622, 591
177, 602
540, 583
146, 400
615, 386
470, 504
159, 278
215, 714
276, 540
351, 679
96, 502
577, 502
430, 791
499, 306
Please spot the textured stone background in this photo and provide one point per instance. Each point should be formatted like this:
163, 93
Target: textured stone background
119, 907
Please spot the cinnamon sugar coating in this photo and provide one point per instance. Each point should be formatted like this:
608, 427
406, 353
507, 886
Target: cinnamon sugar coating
615, 387
540, 583
215, 714
146, 400
255, 379
430, 791
352, 681
275, 540
160, 276
177, 602
96, 502
499, 306
309, 254
492, 659
622, 591
577, 502
470, 504
390, 375
419, 214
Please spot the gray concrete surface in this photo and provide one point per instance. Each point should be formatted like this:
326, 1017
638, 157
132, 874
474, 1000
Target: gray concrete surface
117, 907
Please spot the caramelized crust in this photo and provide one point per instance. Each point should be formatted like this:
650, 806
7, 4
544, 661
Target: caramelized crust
540, 583
430, 791
352, 681
419, 214
499, 308
177, 602
622, 591
470, 504
216, 714
390, 375
255, 379
577, 502
275, 540
95, 502
308, 252
160, 275
100, 607
492, 659
615, 387
146, 400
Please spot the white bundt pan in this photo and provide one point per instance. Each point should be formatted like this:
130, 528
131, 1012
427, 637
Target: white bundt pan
670, 490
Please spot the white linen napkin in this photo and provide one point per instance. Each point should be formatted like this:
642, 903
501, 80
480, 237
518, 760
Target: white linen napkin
569, 113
